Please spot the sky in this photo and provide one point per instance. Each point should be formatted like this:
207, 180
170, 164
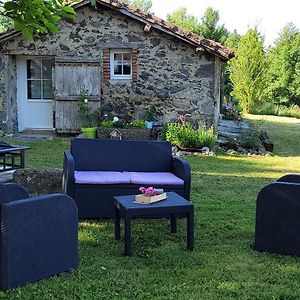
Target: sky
270, 15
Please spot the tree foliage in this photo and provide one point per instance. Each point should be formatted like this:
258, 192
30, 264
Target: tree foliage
182, 19
35, 17
144, 5
210, 28
247, 71
284, 67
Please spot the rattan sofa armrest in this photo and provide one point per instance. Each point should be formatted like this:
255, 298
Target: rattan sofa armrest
68, 179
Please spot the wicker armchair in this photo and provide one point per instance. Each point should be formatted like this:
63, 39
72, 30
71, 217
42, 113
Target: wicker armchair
39, 236
278, 217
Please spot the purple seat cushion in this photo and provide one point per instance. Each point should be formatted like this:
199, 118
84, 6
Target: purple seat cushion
154, 178
101, 177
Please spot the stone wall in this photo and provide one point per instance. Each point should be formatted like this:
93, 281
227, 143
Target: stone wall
172, 76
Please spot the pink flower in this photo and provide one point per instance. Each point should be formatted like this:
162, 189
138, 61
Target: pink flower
150, 191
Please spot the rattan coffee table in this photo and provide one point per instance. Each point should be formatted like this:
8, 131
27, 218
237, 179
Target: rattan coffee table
173, 206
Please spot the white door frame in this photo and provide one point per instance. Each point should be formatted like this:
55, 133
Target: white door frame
32, 114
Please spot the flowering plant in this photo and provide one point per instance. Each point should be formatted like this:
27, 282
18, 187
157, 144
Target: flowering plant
230, 113
150, 191
86, 115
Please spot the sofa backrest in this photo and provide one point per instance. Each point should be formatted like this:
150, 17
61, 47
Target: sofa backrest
116, 155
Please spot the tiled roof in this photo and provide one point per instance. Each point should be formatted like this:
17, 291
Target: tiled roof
150, 20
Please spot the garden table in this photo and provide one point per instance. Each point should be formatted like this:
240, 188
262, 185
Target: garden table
8, 156
173, 206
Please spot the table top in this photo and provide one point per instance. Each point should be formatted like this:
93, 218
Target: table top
173, 201
13, 148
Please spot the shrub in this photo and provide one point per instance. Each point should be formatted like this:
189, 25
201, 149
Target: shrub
139, 124
291, 111
267, 108
188, 137
107, 123
270, 108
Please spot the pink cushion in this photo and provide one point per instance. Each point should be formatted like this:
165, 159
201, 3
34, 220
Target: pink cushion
155, 178
101, 177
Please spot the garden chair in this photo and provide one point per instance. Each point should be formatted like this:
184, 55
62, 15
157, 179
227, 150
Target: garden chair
39, 236
278, 217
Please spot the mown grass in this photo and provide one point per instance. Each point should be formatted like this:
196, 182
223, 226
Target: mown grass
223, 265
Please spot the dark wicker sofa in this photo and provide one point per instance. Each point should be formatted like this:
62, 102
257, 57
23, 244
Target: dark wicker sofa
96, 170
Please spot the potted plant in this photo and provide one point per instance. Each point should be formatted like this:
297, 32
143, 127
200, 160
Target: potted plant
150, 116
87, 116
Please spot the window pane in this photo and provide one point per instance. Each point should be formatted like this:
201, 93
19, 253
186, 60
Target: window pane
126, 69
47, 89
118, 56
127, 56
34, 89
33, 69
47, 69
117, 69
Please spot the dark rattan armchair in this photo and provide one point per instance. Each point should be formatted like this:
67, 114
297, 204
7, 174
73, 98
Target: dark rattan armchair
39, 236
278, 217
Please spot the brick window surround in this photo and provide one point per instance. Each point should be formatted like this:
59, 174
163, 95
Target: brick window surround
106, 64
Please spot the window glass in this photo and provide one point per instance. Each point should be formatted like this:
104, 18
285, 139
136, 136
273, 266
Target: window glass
39, 78
34, 69
47, 69
47, 89
127, 68
34, 89
118, 68
118, 56
127, 56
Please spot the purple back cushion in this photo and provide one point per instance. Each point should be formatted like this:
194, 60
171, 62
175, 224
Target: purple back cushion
112, 155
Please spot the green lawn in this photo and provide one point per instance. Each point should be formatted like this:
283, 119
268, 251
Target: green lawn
223, 265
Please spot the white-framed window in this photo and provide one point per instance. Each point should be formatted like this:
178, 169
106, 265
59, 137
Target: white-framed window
120, 64
39, 78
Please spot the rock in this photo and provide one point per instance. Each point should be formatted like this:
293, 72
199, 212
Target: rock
40, 181
265, 139
227, 142
262, 151
162, 93
205, 150
82, 136
174, 150
231, 152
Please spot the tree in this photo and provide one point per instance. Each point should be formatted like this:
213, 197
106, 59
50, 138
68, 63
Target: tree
284, 67
144, 5
209, 27
35, 17
180, 18
247, 71
232, 40
5, 23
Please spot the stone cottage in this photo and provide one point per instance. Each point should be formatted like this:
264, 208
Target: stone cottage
124, 58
